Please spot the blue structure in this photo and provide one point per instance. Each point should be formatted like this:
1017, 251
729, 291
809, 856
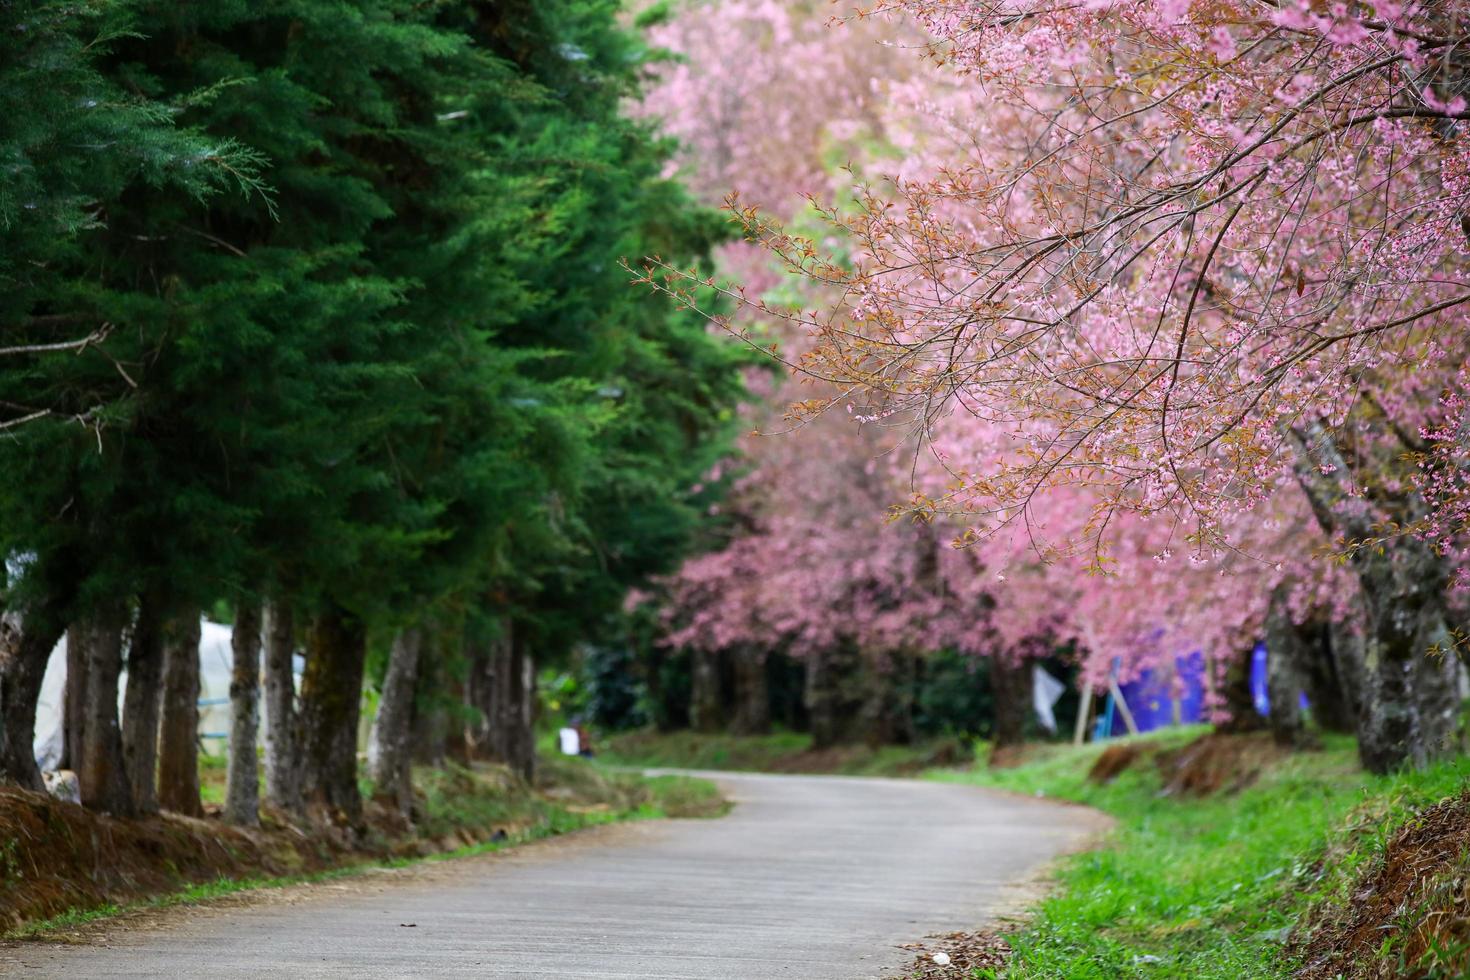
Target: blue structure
1260, 686
1149, 695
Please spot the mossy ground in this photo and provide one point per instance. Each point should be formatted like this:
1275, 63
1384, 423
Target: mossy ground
1227, 886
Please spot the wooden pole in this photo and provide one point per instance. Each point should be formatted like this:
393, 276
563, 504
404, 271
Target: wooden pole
1084, 714
1122, 706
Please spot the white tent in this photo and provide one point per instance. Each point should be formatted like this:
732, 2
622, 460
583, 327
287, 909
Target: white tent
215, 661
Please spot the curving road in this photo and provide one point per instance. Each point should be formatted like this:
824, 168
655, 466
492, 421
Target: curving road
811, 878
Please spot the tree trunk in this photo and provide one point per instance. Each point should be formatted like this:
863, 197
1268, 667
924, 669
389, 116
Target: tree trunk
1285, 655
1437, 688
1235, 691
706, 697
518, 721
1346, 639
832, 700
178, 742
1010, 687
752, 714
431, 712
393, 733
1330, 678
141, 703
331, 699
102, 774
242, 792
456, 740
887, 712
479, 696
25, 645
282, 764
1403, 584
74, 695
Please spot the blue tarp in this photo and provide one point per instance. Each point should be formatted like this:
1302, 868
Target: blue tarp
1148, 696
1260, 689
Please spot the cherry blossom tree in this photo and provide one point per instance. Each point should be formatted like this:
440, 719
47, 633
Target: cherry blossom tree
1147, 277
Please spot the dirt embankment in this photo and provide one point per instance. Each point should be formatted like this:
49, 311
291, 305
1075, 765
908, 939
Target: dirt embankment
1408, 915
1212, 763
58, 857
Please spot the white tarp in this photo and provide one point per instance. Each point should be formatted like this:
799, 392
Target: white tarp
215, 661
1046, 691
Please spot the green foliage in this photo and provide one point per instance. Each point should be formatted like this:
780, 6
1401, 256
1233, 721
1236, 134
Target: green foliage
1206, 888
952, 695
615, 693
401, 373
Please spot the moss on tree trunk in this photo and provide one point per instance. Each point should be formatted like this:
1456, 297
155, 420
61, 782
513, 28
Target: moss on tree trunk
178, 735
331, 698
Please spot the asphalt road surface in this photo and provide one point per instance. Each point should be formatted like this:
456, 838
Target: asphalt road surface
809, 878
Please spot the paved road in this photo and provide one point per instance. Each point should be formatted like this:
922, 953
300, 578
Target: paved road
809, 878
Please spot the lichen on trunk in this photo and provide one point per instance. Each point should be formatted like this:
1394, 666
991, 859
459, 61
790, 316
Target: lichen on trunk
102, 772
282, 766
392, 753
330, 709
178, 735
242, 794
141, 703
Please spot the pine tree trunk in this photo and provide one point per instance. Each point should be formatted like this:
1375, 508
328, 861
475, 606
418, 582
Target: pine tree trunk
517, 721
752, 714
1285, 654
1010, 686
331, 699
706, 697
457, 742
431, 715
479, 697
141, 704
242, 785
74, 694
178, 740
282, 765
102, 774
25, 645
393, 733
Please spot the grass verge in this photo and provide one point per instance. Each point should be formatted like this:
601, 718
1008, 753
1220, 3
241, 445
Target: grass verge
777, 752
1223, 886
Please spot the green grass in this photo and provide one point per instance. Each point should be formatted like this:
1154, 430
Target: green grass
777, 752
1206, 888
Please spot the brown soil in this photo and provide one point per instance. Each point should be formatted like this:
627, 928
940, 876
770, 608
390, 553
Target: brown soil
1216, 763
967, 952
1112, 762
57, 857
1416, 898
1212, 763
